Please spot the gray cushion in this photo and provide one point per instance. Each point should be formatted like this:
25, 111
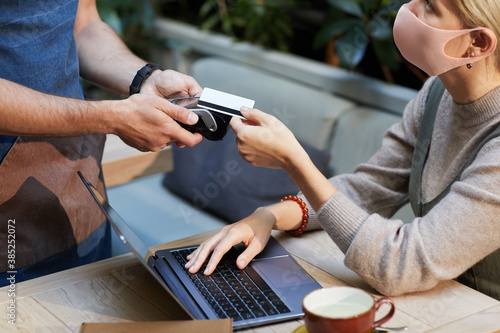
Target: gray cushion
213, 176
357, 136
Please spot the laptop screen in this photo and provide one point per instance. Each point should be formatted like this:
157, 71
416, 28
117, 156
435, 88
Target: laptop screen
126, 235
130, 239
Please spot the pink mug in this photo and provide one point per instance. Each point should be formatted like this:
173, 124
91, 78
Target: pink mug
342, 310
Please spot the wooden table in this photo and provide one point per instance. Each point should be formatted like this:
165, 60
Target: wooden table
120, 289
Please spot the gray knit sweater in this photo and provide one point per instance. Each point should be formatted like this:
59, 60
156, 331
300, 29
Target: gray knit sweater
397, 256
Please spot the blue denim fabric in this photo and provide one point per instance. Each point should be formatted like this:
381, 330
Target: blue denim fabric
37, 49
96, 246
6, 143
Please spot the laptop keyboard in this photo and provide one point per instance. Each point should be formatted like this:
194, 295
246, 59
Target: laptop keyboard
234, 293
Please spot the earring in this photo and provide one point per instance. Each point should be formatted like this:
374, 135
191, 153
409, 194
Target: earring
470, 54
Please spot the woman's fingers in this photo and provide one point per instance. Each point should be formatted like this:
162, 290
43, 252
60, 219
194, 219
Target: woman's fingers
253, 231
253, 249
219, 251
218, 245
200, 255
255, 116
236, 124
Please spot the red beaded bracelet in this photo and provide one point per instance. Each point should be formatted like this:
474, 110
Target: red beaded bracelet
305, 215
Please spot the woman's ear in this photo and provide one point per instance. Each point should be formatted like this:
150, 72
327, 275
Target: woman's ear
484, 42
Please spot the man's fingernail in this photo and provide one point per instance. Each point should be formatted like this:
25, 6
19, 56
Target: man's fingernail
244, 109
192, 118
242, 263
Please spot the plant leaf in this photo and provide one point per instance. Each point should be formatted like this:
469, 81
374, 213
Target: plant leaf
333, 30
206, 8
210, 22
349, 6
227, 25
147, 14
351, 47
387, 53
391, 8
367, 6
379, 27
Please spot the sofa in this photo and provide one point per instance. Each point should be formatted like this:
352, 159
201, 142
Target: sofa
211, 186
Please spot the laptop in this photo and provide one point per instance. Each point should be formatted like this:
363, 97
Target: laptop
269, 290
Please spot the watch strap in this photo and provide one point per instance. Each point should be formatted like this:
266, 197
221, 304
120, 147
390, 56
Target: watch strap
141, 76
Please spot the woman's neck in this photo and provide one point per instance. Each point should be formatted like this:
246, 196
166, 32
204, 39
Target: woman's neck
468, 85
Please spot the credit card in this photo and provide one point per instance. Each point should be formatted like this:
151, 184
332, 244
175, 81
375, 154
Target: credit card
218, 101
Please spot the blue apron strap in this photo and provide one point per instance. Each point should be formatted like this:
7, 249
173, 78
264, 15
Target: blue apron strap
6, 142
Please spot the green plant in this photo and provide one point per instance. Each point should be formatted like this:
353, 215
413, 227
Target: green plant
354, 25
263, 22
132, 20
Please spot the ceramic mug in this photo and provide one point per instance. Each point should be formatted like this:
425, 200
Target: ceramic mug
343, 309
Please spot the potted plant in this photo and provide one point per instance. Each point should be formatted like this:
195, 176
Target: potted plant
357, 29
263, 22
132, 20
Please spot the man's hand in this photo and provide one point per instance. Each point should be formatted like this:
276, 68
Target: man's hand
265, 141
167, 84
147, 123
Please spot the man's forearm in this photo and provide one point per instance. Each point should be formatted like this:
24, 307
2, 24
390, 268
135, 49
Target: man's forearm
27, 112
104, 59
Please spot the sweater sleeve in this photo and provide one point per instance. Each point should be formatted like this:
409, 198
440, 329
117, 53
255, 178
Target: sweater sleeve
458, 232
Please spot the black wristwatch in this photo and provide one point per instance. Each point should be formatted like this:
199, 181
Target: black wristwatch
141, 76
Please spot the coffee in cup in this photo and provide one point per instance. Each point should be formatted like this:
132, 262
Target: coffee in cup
343, 310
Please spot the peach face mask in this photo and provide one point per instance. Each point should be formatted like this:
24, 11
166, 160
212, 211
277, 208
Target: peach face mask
424, 46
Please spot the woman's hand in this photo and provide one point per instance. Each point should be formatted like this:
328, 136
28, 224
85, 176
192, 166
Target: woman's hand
254, 231
265, 141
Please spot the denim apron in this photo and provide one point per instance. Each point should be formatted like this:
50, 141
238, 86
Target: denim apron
43, 203
484, 276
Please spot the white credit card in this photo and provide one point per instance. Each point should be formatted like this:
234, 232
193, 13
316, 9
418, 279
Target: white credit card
222, 102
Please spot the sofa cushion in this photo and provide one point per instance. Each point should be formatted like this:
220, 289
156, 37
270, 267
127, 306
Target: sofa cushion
213, 176
357, 136
310, 114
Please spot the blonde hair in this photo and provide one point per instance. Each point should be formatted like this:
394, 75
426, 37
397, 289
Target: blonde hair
481, 13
